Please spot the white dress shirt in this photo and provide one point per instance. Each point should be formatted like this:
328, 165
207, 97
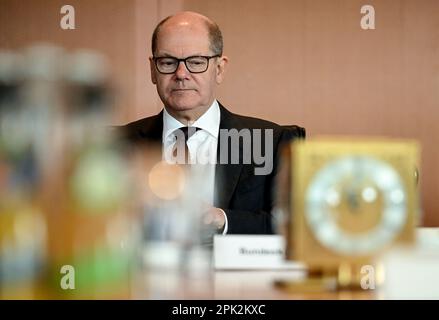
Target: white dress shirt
202, 147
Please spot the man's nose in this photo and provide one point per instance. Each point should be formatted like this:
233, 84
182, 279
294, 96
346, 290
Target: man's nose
182, 72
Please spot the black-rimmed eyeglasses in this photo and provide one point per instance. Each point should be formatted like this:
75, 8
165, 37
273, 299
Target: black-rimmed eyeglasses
195, 64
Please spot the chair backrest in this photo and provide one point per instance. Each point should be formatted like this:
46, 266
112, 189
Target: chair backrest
296, 131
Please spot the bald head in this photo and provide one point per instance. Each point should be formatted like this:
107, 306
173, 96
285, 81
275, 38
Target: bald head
192, 20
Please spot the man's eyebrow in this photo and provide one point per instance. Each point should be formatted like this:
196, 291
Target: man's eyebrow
167, 55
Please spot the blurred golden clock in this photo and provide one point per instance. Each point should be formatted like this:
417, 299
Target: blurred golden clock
351, 199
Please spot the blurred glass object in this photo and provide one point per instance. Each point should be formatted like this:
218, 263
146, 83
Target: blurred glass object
22, 227
175, 247
90, 227
64, 180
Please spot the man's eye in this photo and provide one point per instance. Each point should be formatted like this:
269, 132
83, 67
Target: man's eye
167, 62
196, 62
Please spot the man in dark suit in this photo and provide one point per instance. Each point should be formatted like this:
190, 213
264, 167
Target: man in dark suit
187, 65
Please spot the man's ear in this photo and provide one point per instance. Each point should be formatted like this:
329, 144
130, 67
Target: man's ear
152, 68
221, 69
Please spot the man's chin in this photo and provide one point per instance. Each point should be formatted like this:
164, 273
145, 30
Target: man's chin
186, 111
183, 105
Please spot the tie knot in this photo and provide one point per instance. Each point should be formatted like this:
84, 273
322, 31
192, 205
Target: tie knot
187, 132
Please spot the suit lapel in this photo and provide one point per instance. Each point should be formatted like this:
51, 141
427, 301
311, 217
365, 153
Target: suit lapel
226, 175
152, 129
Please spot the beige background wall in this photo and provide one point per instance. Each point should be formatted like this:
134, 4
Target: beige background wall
303, 62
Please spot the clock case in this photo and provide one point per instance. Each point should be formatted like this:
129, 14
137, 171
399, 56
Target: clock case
301, 161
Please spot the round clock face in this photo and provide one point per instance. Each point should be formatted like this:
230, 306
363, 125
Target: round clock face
356, 205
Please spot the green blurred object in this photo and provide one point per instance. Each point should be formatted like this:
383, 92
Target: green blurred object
99, 183
100, 272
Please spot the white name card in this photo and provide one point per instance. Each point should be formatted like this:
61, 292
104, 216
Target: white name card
251, 252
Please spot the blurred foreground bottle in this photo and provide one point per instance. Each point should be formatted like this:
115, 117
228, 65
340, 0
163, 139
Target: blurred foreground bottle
85, 190
22, 227
65, 227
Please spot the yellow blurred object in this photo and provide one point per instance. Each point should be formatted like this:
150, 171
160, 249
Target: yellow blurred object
22, 250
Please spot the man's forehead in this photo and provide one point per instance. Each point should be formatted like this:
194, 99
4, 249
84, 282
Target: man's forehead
188, 18
198, 28
183, 39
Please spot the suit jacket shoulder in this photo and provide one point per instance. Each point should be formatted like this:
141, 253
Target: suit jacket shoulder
240, 122
144, 130
282, 133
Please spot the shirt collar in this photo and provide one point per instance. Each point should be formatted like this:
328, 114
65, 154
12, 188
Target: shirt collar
208, 122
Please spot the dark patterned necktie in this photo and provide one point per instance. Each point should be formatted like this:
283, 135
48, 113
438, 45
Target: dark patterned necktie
182, 135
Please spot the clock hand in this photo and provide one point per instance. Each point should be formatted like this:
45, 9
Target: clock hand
352, 199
